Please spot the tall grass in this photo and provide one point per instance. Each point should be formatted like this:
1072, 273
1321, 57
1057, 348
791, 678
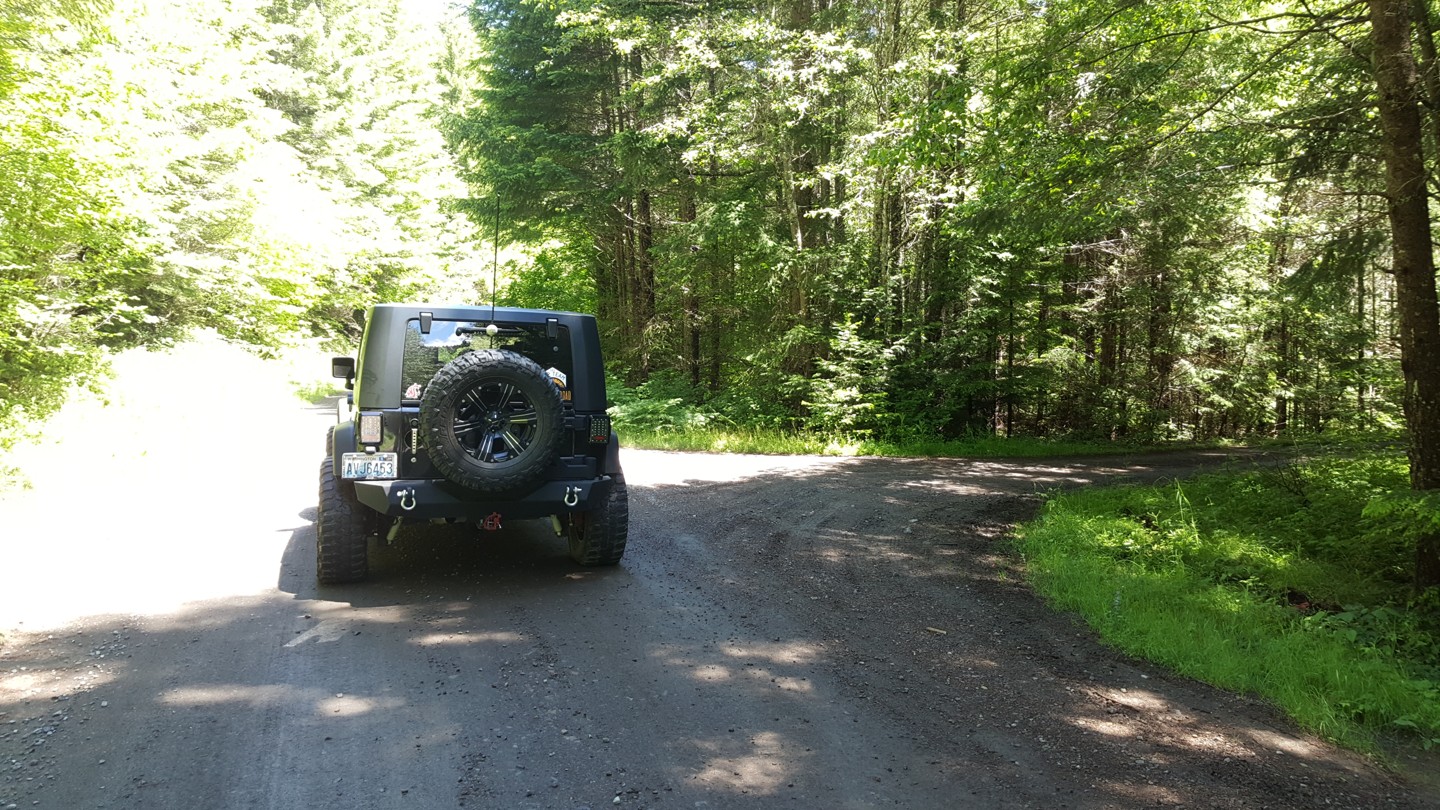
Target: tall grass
774, 441
1280, 582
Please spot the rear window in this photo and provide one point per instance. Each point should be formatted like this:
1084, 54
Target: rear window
426, 354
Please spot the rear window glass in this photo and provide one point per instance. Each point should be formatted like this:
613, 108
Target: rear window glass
426, 354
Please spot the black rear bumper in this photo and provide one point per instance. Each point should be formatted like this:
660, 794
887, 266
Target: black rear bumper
426, 499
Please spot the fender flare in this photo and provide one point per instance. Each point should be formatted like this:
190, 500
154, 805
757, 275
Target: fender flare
612, 456
343, 441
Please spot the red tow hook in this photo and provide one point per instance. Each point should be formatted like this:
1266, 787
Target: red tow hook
491, 522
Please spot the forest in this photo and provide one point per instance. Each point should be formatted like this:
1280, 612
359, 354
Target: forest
1147, 220
1119, 220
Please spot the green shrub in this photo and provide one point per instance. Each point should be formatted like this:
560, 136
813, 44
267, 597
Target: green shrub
1291, 582
662, 404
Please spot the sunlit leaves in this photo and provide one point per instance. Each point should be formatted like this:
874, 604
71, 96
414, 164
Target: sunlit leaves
256, 168
1090, 216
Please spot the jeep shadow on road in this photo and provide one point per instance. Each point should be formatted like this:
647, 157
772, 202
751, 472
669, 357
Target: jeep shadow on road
443, 561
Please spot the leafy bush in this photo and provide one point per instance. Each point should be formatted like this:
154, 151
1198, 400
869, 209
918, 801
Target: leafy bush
659, 405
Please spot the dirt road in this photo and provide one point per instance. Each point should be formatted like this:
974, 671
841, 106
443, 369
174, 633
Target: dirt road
812, 633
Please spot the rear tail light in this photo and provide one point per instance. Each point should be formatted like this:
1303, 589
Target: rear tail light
371, 428
599, 429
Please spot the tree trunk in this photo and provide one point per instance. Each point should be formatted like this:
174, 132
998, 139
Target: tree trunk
1160, 351
1398, 84
1280, 336
719, 282
1362, 373
1425, 37
1010, 340
692, 328
1284, 371
644, 278
1110, 329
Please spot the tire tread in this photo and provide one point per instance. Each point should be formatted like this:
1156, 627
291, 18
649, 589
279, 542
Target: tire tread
341, 528
607, 530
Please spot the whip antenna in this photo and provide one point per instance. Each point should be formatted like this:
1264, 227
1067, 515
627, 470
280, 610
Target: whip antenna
495, 260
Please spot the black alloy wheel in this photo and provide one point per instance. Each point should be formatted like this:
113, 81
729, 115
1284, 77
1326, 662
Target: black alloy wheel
495, 421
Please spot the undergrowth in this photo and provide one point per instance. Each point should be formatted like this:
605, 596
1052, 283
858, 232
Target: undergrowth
653, 417
1292, 582
769, 441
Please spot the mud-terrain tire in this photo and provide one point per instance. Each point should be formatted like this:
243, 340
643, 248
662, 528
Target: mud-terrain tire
492, 421
342, 528
597, 536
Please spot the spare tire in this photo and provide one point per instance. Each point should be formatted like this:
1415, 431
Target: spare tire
492, 421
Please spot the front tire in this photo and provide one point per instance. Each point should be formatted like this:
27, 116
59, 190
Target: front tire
597, 537
342, 530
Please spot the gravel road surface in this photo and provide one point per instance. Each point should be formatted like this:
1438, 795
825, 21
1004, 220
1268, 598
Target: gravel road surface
784, 632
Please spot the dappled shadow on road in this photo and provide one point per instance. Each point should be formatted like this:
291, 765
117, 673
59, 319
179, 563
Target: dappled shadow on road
456, 561
217, 706
522, 682
853, 633
902, 572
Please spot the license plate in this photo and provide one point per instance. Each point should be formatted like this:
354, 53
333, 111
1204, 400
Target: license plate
369, 465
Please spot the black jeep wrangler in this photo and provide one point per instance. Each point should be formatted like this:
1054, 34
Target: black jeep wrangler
475, 414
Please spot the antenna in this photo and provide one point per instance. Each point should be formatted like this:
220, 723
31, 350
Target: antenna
495, 260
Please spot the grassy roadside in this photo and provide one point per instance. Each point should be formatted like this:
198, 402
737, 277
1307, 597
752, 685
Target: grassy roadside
777, 442
1289, 582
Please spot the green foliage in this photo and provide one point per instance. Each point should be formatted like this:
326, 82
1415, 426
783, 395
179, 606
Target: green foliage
555, 277
361, 93
924, 223
1404, 515
257, 169
1411, 636
847, 394
63, 245
761, 397
1281, 581
658, 406
663, 414
317, 391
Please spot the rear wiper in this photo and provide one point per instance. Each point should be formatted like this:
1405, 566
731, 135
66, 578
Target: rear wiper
489, 329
